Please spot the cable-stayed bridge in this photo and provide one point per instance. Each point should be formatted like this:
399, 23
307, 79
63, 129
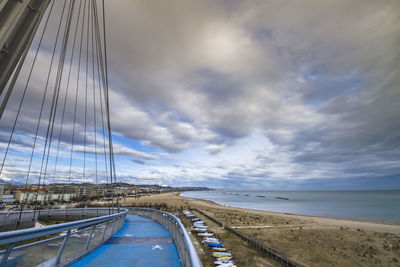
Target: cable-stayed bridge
55, 127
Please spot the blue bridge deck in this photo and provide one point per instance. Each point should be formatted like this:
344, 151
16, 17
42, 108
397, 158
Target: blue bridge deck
141, 242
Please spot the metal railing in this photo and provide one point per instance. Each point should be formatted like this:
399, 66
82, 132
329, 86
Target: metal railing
65, 243
186, 250
12, 220
9, 220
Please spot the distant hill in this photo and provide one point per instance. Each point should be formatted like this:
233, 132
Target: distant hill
9, 182
4, 182
193, 188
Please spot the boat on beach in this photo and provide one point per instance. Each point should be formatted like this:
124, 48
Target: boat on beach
223, 261
218, 251
215, 245
226, 258
200, 226
205, 234
221, 254
227, 265
199, 230
221, 249
211, 240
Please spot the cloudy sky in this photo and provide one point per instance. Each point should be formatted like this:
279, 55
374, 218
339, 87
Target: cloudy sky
253, 94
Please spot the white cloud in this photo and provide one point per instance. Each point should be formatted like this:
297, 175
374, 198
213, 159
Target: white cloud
263, 91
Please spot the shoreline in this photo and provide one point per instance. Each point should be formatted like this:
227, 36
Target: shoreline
381, 225
290, 214
309, 240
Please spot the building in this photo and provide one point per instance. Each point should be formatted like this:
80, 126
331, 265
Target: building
65, 197
35, 187
1, 190
8, 199
61, 189
30, 196
59, 197
83, 192
98, 192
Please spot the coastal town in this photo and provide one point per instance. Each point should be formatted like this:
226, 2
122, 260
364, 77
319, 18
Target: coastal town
52, 194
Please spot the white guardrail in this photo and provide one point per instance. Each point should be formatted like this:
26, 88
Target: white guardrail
186, 250
65, 243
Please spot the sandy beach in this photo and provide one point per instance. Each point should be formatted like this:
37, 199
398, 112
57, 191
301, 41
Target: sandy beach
308, 240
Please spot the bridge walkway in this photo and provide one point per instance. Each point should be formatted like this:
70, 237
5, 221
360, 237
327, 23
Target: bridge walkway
141, 242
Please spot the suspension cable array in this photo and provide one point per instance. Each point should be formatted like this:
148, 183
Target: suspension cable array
56, 123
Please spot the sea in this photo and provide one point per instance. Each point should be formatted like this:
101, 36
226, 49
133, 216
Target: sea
376, 205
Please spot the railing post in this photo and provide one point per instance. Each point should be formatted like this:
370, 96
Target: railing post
117, 223
6, 254
112, 231
90, 237
105, 230
120, 220
62, 247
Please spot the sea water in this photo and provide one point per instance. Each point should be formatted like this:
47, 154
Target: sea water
377, 205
